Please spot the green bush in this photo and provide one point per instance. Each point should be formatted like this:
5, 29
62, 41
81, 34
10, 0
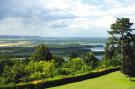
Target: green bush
58, 61
4, 62
18, 72
11, 70
114, 62
6, 75
65, 71
77, 65
41, 69
90, 59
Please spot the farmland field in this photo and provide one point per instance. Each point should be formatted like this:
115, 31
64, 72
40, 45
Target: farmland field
114, 80
23, 47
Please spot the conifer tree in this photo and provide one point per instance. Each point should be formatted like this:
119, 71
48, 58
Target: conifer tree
41, 53
123, 41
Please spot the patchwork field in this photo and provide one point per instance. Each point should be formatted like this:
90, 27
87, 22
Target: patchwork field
58, 46
15, 44
114, 80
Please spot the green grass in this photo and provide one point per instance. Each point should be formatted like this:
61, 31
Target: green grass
114, 80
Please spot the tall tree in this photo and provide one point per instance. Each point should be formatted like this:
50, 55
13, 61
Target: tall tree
41, 53
128, 48
122, 37
119, 30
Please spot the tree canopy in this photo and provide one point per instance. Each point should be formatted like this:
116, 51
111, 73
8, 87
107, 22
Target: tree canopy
41, 52
122, 42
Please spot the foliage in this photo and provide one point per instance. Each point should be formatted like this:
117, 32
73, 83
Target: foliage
112, 47
4, 62
58, 61
128, 66
114, 62
77, 65
41, 53
65, 71
73, 54
6, 75
41, 69
119, 29
122, 42
22, 72
90, 59
60, 80
18, 72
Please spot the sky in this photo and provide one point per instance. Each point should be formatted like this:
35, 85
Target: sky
62, 18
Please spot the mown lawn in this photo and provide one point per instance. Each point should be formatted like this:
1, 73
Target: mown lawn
114, 80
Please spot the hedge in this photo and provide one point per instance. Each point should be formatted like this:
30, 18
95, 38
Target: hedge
58, 82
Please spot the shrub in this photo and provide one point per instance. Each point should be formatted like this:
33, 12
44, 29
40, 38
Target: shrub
58, 61
114, 62
90, 59
18, 72
4, 62
65, 71
77, 65
41, 69
6, 75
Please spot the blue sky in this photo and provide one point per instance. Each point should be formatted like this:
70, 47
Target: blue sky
62, 18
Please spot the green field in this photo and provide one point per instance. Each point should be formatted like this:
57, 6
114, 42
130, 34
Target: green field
114, 80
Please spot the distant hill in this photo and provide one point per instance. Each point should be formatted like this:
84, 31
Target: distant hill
56, 39
13, 37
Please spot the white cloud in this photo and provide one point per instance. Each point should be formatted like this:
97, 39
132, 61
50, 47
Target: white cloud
11, 23
81, 9
48, 17
89, 23
114, 3
55, 4
129, 10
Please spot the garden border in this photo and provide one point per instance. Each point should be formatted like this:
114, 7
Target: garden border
58, 82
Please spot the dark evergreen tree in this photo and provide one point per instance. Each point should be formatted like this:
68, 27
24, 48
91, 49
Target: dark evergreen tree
121, 30
41, 53
128, 64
